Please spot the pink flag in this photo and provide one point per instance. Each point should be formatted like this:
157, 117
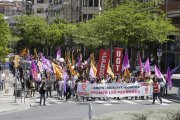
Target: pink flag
34, 70
140, 62
147, 67
126, 62
168, 77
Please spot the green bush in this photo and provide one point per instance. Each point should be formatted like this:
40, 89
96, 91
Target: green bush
155, 114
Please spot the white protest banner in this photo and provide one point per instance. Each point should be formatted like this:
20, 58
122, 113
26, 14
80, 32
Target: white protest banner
114, 89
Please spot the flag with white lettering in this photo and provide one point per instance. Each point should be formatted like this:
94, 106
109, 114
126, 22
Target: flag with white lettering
118, 60
104, 58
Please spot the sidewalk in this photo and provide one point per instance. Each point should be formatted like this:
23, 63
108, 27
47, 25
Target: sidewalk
7, 100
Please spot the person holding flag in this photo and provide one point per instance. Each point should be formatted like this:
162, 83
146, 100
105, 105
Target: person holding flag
156, 90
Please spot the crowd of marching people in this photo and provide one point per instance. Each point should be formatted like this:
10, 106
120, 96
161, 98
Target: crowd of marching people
64, 74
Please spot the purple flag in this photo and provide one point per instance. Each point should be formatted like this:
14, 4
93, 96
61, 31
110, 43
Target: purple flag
79, 62
47, 68
140, 62
157, 72
168, 77
65, 80
126, 62
147, 67
58, 54
174, 70
46, 62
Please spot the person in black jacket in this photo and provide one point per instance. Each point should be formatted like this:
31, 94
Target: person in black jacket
42, 92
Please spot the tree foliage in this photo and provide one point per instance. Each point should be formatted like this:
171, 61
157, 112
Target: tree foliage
31, 28
5, 35
136, 23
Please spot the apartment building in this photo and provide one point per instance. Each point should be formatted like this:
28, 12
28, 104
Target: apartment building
89, 8
41, 7
171, 50
65, 9
10, 9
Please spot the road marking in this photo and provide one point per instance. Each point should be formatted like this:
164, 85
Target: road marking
107, 104
164, 104
100, 102
129, 102
70, 101
113, 101
166, 101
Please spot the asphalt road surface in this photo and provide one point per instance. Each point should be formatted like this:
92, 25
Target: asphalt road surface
72, 110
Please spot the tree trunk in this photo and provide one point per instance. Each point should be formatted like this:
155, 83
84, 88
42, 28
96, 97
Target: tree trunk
133, 58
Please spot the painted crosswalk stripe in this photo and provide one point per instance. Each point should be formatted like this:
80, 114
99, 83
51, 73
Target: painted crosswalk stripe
164, 104
129, 102
166, 101
107, 104
113, 101
100, 102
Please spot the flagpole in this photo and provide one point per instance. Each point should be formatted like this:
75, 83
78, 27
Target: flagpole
25, 83
15, 86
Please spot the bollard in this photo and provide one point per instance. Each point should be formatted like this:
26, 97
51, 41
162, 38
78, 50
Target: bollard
90, 111
178, 93
6, 82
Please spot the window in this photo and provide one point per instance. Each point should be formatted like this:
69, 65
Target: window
85, 3
173, 1
84, 17
90, 3
55, 2
40, 10
96, 3
90, 16
40, 1
175, 20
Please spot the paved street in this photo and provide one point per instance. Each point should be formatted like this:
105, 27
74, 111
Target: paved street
71, 110
59, 109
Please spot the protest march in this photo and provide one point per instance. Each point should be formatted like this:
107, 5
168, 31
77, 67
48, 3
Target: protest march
91, 78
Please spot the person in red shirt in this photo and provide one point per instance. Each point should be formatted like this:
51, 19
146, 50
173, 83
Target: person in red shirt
156, 90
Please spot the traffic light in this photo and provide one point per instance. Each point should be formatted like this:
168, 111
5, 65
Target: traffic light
16, 61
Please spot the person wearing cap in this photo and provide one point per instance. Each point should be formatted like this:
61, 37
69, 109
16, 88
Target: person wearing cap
156, 90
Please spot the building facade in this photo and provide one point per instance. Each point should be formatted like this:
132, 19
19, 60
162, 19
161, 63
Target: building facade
10, 9
74, 10
40, 7
171, 50
65, 9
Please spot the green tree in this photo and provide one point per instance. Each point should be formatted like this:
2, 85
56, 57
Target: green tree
5, 36
132, 23
32, 29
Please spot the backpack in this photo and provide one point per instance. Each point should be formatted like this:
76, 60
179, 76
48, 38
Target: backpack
41, 90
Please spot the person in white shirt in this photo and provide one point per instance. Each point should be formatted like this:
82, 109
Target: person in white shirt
61, 88
2, 80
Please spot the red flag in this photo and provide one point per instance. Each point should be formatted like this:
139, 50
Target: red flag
118, 60
103, 63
